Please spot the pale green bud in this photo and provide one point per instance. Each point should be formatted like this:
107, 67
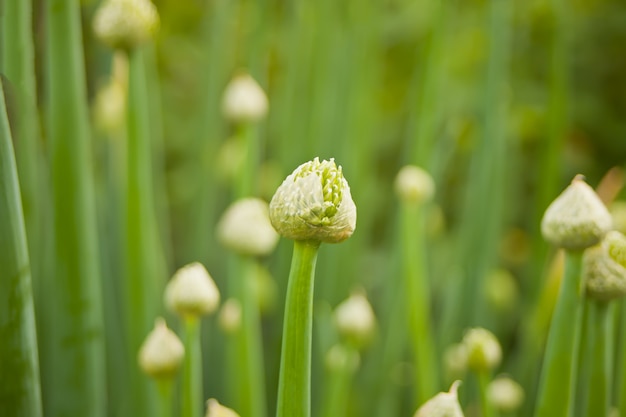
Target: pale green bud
264, 288
246, 229
126, 24
244, 100
215, 409
501, 289
314, 203
355, 319
414, 185
455, 360
605, 279
342, 358
109, 108
505, 394
618, 213
162, 352
577, 218
483, 349
444, 404
615, 243
229, 318
192, 291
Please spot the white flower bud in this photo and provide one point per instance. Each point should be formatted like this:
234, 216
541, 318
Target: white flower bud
618, 214
603, 274
455, 360
483, 349
355, 319
125, 24
414, 185
162, 352
577, 218
215, 409
192, 291
444, 404
314, 203
246, 229
229, 318
244, 100
505, 394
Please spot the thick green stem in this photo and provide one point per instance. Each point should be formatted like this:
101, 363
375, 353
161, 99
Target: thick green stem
251, 384
417, 293
191, 401
77, 345
483, 384
558, 380
601, 359
164, 388
20, 394
294, 383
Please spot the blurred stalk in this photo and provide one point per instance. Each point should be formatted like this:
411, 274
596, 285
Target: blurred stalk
191, 394
294, 385
557, 382
620, 380
164, 388
77, 351
145, 269
417, 300
601, 358
339, 380
483, 388
20, 392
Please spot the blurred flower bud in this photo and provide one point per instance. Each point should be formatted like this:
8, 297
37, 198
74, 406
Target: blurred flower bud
455, 360
501, 290
314, 203
483, 350
341, 358
192, 291
615, 243
244, 100
355, 319
414, 185
246, 229
618, 214
109, 108
215, 409
229, 318
162, 352
577, 218
604, 278
125, 24
444, 404
505, 394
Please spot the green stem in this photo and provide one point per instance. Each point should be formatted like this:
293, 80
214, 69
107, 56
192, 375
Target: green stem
251, 373
77, 349
191, 401
418, 301
20, 393
247, 133
337, 388
620, 400
294, 383
558, 380
601, 359
483, 384
164, 389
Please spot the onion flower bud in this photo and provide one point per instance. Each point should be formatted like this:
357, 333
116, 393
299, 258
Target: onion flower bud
192, 291
244, 100
444, 404
126, 24
162, 352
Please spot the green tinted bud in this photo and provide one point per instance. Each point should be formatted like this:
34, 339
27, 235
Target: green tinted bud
162, 352
618, 213
229, 318
444, 404
192, 291
125, 24
246, 229
505, 394
483, 350
502, 290
577, 218
455, 360
414, 185
605, 279
215, 409
615, 243
355, 319
340, 357
314, 203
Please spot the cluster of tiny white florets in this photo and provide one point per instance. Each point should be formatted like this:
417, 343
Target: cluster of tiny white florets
126, 24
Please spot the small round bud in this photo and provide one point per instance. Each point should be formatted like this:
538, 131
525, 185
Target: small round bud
244, 100
355, 319
605, 279
342, 358
126, 24
483, 350
109, 108
162, 352
414, 185
444, 404
246, 229
577, 218
455, 360
215, 409
314, 203
505, 394
229, 318
615, 243
192, 291
502, 290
